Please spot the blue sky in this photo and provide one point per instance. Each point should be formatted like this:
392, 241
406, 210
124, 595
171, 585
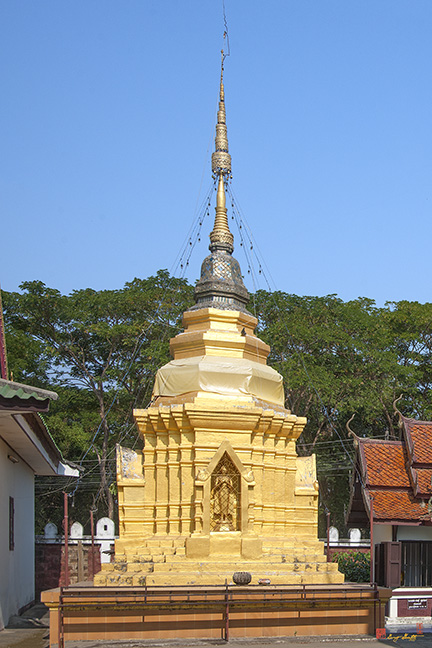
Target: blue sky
107, 123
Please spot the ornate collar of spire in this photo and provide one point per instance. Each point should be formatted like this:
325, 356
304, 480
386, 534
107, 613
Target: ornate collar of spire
221, 284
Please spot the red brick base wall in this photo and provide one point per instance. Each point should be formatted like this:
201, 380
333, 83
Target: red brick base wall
50, 567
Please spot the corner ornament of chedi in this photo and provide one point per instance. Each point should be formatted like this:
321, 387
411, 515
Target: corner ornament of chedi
218, 486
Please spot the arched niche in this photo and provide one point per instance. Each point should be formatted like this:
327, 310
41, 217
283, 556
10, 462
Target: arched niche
225, 496
225, 480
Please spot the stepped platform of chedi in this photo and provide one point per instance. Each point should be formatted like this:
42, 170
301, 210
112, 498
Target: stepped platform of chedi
166, 564
218, 487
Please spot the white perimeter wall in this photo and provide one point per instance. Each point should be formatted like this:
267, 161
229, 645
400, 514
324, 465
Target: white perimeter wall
17, 566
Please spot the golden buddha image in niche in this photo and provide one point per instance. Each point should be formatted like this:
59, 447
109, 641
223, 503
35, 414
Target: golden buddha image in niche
225, 496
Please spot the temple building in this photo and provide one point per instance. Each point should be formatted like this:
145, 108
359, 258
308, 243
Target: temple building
392, 496
218, 487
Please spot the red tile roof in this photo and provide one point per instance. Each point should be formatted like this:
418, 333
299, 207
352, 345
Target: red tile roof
397, 474
420, 434
397, 505
385, 463
424, 477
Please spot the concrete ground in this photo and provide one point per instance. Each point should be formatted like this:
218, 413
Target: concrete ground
31, 630
290, 642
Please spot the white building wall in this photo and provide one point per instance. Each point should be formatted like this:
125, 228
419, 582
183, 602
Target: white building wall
405, 532
382, 533
17, 566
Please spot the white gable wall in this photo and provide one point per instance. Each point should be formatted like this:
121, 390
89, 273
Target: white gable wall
17, 566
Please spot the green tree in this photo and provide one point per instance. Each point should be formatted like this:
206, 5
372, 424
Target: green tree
336, 358
355, 565
100, 350
27, 361
411, 327
104, 344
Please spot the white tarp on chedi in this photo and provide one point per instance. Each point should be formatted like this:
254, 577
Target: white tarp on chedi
218, 375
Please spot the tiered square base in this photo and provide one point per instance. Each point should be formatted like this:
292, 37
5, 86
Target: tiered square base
164, 561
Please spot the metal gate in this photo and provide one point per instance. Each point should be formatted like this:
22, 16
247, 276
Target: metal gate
416, 564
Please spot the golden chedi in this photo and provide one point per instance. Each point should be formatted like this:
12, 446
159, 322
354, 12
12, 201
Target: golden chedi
218, 486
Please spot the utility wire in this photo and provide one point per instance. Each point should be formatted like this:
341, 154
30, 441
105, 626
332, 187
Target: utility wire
244, 228
182, 262
226, 34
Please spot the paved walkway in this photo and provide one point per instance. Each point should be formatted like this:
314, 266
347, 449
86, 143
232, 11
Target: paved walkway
290, 642
31, 630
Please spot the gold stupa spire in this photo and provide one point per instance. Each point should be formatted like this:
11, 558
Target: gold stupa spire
221, 237
221, 159
221, 284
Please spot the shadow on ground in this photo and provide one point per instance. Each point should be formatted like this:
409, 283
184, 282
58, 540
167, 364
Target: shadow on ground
29, 630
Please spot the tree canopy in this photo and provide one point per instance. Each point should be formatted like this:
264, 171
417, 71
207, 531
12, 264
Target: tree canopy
343, 358
101, 349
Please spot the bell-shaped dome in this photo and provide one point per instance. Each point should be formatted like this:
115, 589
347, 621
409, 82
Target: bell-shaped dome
221, 283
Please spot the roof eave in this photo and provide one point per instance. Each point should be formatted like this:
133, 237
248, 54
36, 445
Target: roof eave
35, 392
